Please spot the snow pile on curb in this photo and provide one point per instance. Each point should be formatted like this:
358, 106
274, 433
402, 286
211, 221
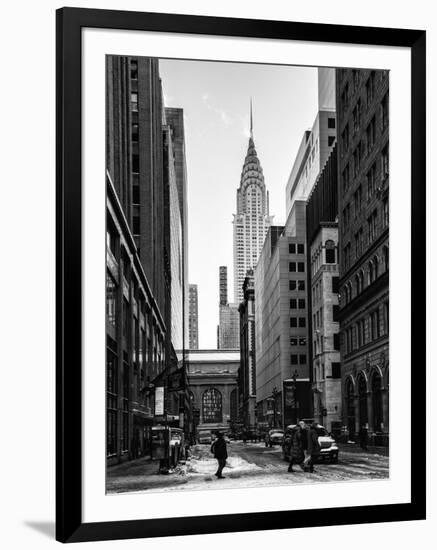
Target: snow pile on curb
207, 466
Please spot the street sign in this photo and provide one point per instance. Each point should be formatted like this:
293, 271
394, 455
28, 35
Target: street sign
159, 400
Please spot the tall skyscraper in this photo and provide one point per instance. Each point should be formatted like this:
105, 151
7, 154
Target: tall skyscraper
193, 318
223, 285
146, 253
228, 331
252, 220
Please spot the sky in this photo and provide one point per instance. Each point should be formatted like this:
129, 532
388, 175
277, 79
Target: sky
215, 97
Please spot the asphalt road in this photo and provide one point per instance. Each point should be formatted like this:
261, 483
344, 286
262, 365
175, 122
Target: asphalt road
250, 464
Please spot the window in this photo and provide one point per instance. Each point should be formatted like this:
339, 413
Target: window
212, 406
292, 266
370, 135
385, 258
293, 322
301, 303
335, 370
371, 181
374, 320
355, 78
293, 341
292, 285
331, 140
331, 122
135, 163
345, 98
384, 112
384, 163
135, 132
371, 273
347, 255
294, 359
385, 211
371, 225
134, 101
301, 285
357, 200
335, 311
126, 318
301, 249
111, 237
293, 303
292, 248
357, 159
302, 341
336, 341
330, 250
111, 397
302, 322
302, 359
344, 140
345, 178
359, 242
134, 69
301, 267
111, 301
356, 116
335, 285
370, 88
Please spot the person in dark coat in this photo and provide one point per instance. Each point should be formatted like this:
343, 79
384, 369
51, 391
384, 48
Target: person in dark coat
298, 443
364, 437
313, 446
218, 448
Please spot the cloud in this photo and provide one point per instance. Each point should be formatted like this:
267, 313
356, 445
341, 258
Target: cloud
225, 117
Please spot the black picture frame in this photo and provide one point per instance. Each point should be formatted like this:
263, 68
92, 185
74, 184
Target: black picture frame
70, 22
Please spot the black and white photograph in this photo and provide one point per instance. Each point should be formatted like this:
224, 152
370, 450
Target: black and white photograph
247, 275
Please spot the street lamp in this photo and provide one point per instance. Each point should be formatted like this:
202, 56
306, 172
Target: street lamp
294, 377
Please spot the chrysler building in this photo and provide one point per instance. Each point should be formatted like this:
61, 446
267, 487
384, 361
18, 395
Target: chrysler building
252, 220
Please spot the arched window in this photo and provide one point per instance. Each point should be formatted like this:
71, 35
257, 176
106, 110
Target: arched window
375, 266
385, 257
350, 407
362, 400
234, 405
377, 402
330, 252
361, 276
212, 406
371, 273
358, 284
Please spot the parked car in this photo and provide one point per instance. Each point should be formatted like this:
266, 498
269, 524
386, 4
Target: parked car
274, 437
328, 446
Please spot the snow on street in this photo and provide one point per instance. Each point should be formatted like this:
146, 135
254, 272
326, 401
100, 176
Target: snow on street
248, 465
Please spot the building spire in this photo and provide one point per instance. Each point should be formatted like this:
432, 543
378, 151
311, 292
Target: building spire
251, 119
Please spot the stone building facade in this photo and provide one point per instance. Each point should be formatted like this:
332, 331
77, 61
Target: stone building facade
281, 323
363, 158
212, 380
247, 370
322, 238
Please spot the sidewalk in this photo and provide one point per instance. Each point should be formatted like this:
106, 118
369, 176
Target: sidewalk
140, 474
355, 448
